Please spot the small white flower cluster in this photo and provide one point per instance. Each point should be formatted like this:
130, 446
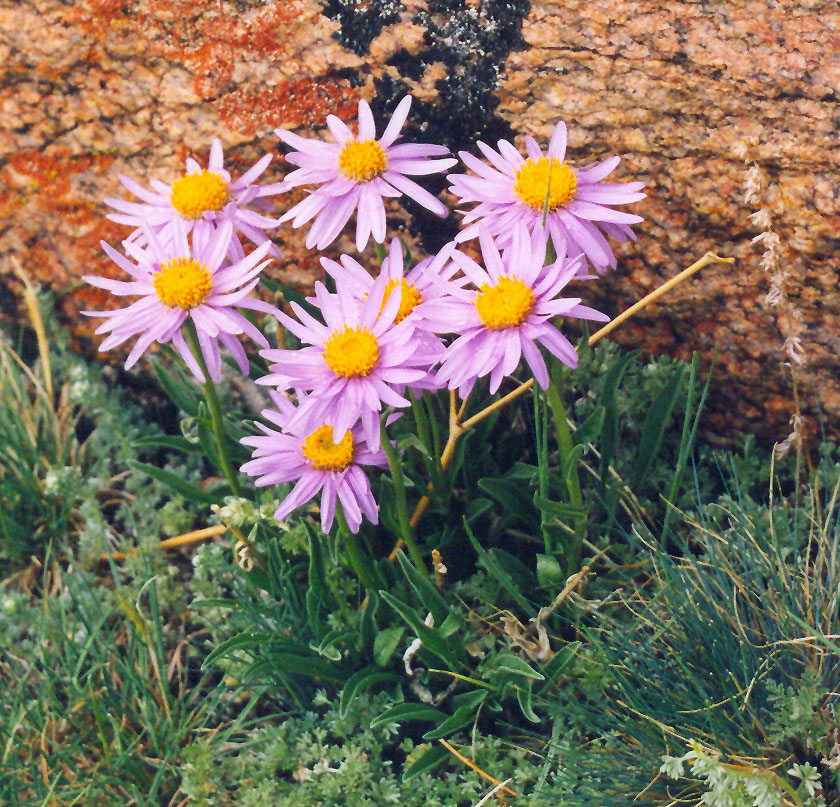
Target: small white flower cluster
64, 481
731, 785
239, 512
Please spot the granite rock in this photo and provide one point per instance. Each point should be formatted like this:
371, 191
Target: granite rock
93, 88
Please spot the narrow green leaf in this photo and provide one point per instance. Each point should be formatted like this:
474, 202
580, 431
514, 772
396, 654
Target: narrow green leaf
565, 512
549, 571
385, 643
477, 508
656, 421
557, 663
175, 390
609, 436
431, 639
591, 427
166, 441
241, 641
513, 495
367, 625
307, 666
432, 601
177, 483
360, 682
497, 572
409, 711
517, 666
431, 758
413, 441
523, 696
462, 717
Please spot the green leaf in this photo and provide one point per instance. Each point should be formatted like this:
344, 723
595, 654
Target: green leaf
307, 666
609, 437
477, 507
591, 427
496, 571
571, 460
327, 647
412, 441
206, 437
452, 623
431, 639
519, 572
462, 717
241, 641
513, 664
360, 682
409, 711
431, 758
177, 483
428, 594
557, 663
317, 594
166, 441
513, 495
549, 571
367, 625
656, 421
175, 390
523, 695
565, 512
471, 699
385, 643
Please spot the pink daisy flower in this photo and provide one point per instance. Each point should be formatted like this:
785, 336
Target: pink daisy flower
513, 191
177, 283
352, 363
356, 173
419, 288
311, 457
201, 199
509, 313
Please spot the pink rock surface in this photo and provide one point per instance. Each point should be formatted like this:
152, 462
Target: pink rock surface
94, 88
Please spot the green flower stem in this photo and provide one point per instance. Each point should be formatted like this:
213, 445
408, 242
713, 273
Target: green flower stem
554, 396
395, 464
360, 563
381, 252
212, 399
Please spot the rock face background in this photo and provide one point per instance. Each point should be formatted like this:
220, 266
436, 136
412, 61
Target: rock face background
94, 88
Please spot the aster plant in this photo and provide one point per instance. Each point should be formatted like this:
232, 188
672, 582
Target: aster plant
399, 341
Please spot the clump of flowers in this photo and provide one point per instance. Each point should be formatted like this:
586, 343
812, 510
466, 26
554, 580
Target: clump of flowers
379, 338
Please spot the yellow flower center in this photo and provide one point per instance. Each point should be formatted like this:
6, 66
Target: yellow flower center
352, 352
324, 454
504, 305
194, 194
532, 183
362, 160
410, 298
182, 283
